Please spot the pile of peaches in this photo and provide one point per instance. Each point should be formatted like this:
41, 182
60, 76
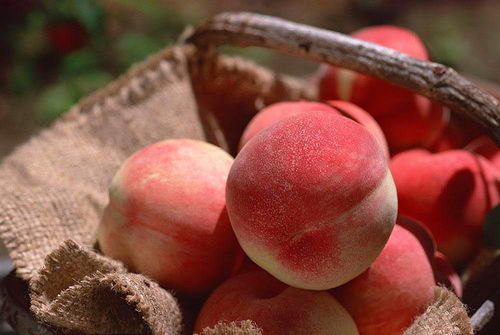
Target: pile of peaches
335, 217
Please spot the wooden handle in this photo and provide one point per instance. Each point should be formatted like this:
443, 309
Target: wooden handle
435, 81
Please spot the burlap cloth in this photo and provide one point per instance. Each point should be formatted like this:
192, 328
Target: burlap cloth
54, 187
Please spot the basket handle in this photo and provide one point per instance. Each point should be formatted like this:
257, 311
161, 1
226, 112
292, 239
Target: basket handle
433, 80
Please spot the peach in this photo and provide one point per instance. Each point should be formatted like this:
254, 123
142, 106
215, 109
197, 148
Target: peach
416, 124
485, 147
311, 199
395, 289
362, 117
450, 192
166, 216
421, 233
380, 96
458, 133
276, 112
247, 266
445, 273
407, 119
275, 307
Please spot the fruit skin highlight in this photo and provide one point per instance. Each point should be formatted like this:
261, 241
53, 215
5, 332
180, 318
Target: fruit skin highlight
396, 288
359, 115
275, 307
276, 112
167, 218
279, 111
311, 200
407, 119
450, 192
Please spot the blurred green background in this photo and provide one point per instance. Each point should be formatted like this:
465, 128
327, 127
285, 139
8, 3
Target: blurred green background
54, 52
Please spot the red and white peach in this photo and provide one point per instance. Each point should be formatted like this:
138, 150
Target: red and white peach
396, 288
407, 119
446, 275
485, 147
167, 218
450, 192
311, 200
359, 115
276, 112
275, 307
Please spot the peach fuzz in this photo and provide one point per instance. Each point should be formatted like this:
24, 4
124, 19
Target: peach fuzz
407, 119
359, 115
450, 192
276, 112
395, 289
166, 216
275, 307
311, 200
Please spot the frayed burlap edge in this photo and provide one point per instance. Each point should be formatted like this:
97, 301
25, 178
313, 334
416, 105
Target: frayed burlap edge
246, 88
446, 315
264, 87
136, 85
18, 182
79, 289
246, 327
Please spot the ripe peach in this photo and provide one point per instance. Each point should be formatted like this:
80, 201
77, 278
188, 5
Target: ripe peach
275, 307
485, 147
276, 112
445, 273
395, 289
362, 117
311, 200
167, 218
458, 133
419, 123
279, 111
421, 233
380, 96
450, 192
407, 119
247, 265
